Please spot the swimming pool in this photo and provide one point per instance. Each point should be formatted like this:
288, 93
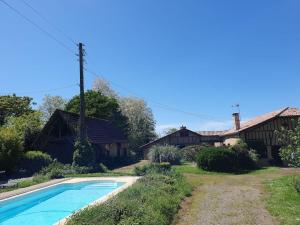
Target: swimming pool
49, 205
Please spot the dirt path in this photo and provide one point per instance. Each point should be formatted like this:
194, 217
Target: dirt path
227, 200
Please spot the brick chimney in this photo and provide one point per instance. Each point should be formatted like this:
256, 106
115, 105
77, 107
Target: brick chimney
236, 121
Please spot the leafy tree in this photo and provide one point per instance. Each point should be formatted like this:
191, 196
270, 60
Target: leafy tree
103, 86
170, 130
290, 140
50, 104
12, 105
84, 154
10, 149
27, 127
99, 106
140, 120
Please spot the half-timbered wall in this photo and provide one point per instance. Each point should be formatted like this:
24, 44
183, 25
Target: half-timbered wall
266, 132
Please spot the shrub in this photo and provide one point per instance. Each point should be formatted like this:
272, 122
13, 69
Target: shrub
34, 161
10, 149
84, 154
189, 153
296, 183
165, 153
153, 199
56, 170
217, 159
152, 168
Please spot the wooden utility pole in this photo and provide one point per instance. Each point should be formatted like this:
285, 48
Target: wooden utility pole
82, 131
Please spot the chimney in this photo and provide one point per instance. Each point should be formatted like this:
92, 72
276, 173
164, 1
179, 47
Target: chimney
236, 121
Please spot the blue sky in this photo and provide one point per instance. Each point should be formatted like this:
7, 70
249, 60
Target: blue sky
198, 56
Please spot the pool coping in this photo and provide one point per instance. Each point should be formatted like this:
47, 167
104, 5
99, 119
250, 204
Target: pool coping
18, 192
128, 181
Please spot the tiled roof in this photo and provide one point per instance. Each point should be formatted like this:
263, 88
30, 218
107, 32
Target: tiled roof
99, 131
265, 117
211, 133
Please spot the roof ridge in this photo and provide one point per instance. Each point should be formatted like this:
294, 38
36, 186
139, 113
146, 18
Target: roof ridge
77, 114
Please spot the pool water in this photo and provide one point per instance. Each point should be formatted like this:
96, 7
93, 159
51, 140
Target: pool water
48, 206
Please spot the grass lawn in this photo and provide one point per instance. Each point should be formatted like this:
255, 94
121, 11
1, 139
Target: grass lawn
283, 201
193, 169
26, 183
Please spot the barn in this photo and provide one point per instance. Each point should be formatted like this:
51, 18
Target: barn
60, 132
259, 133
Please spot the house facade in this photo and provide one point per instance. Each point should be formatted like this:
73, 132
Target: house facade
58, 136
259, 133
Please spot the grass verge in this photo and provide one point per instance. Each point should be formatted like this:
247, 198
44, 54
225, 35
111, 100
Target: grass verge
283, 201
153, 200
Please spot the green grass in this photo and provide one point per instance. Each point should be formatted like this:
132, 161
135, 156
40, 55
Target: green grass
153, 200
190, 168
107, 174
27, 183
283, 201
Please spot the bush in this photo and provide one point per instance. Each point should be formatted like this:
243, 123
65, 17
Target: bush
56, 170
84, 154
152, 168
153, 199
165, 153
189, 153
10, 149
217, 159
34, 161
296, 183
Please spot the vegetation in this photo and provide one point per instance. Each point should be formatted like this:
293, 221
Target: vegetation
84, 154
49, 105
10, 149
99, 106
189, 153
283, 200
141, 124
153, 200
34, 161
27, 126
296, 183
290, 140
217, 159
12, 105
152, 168
165, 153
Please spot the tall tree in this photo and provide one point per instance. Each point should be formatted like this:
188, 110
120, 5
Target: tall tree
12, 105
99, 106
140, 120
103, 86
27, 127
50, 104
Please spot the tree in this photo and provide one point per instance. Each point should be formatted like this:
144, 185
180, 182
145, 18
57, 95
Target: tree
12, 105
170, 130
140, 120
99, 106
84, 154
290, 141
50, 104
10, 149
103, 86
27, 127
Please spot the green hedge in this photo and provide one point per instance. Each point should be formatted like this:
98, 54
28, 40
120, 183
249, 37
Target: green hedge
165, 153
153, 200
217, 159
34, 161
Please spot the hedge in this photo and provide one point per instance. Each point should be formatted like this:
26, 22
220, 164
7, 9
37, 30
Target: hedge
34, 161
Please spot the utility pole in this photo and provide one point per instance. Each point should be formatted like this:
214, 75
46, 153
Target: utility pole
82, 131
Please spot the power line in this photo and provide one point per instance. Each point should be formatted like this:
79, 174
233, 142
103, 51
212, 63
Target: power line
38, 27
49, 22
42, 91
158, 104
164, 106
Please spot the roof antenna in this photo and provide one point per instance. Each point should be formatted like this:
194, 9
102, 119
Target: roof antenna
237, 106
